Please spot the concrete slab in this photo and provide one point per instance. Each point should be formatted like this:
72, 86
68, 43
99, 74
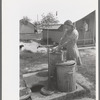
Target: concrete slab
84, 82
59, 95
41, 78
36, 78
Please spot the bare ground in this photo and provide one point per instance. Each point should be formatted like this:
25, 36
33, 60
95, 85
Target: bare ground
30, 61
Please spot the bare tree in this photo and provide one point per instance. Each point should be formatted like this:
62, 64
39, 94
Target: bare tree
49, 19
25, 20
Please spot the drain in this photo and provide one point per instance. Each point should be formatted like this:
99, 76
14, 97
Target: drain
36, 88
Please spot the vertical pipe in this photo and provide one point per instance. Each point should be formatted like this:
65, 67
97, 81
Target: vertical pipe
49, 82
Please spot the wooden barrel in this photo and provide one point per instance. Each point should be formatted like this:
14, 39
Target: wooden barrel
66, 81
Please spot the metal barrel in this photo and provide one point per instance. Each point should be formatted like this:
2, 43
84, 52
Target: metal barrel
66, 81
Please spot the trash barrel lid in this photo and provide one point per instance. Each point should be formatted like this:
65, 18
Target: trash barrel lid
67, 63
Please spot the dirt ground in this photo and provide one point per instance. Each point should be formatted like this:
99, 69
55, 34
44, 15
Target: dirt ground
30, 61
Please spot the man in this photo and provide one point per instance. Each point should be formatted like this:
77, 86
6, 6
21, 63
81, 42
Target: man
69, 42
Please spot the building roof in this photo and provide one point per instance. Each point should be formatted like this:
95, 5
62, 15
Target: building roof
86, 16
28, 23
52, 27
28, 27
57, 26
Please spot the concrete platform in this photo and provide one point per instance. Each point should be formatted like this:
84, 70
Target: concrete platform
40, 79
36, 78
80, 91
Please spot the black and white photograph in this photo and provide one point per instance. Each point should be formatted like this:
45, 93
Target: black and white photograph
56, 49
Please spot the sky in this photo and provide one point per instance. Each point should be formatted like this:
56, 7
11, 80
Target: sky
67, 9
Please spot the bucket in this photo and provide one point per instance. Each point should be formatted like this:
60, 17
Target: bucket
66, 81
53, 59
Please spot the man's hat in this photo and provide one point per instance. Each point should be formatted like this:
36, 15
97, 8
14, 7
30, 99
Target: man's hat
68, 22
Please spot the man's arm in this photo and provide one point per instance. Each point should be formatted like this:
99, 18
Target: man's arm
73, 38
59, 46
62, 38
